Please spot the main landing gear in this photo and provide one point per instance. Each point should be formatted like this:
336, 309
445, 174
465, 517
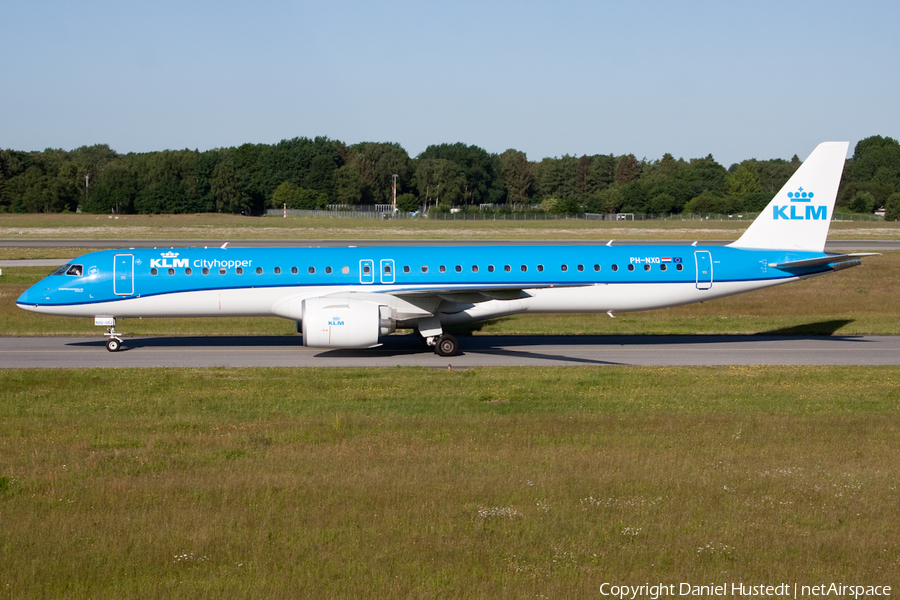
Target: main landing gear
444, 344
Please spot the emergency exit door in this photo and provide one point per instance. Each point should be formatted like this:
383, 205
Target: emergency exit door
703, 259
123, 275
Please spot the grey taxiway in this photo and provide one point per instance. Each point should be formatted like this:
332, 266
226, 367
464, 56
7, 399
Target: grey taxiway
478, 351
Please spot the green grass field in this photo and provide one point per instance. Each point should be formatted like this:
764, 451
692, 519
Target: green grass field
412, 483
215, 226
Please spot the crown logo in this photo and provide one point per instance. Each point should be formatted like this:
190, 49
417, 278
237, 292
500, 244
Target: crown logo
169, 255
800, 196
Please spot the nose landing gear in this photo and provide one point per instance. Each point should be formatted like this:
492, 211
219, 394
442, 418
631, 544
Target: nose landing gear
114, 343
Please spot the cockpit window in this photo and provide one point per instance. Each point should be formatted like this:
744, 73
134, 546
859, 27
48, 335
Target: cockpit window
62, 270
74, 270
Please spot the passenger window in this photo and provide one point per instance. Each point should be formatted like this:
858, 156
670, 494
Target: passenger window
387, 268
541, 268
188, 271
679, 267
294, 270
259, 270
367, 269
507, 268
596, 267
646, 267
524, 268
615, 267
312, 270
490, 268
424, 268
581, 267
171, 271
631, 267
153, 271
278, 270
327, 270
459, 268
564, 268
442, 269
662, 267
474, 268
222, 271
205, 271
406, 268
239, 271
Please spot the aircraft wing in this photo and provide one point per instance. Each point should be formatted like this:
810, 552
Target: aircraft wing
475, 294
425, 302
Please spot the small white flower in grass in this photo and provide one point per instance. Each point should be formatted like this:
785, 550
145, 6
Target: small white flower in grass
723, 549
499, 512
189, 556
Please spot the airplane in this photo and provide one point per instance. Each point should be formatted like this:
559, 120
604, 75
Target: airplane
349, 297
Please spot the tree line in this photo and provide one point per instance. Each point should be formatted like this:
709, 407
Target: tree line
320, 172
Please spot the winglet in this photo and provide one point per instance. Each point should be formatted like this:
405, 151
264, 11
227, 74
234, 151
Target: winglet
799, 215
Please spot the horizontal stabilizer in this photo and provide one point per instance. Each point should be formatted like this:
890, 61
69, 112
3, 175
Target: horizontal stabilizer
823, 260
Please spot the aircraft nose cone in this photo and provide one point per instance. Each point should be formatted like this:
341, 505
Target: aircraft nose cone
31, 297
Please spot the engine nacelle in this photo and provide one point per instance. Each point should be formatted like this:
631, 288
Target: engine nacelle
343, 323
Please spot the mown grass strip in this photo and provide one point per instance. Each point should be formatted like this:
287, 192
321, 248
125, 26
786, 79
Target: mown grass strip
234, 227
488, 483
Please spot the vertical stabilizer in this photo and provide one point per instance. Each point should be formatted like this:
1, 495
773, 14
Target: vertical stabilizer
798, 216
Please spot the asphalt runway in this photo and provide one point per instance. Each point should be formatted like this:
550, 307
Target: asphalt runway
478, 351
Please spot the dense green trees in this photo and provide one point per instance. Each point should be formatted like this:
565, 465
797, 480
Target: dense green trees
313, 173
892, 207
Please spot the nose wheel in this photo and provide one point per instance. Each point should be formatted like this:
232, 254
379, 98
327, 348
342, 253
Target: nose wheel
114, 343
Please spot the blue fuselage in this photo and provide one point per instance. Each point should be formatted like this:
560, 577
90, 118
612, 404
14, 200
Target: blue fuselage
112, 278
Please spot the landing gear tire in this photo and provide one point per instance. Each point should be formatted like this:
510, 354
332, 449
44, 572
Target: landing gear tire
113, 345
446, 345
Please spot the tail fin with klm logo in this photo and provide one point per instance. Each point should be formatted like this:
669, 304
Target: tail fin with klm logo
799, 215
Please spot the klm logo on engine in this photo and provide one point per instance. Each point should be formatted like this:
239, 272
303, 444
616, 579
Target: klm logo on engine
797, 211
335, 321
168, 260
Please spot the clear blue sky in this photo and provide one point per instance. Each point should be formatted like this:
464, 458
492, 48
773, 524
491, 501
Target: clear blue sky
762, 79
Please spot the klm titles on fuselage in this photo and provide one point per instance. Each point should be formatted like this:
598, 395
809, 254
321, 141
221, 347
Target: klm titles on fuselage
812, 213
170, 260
